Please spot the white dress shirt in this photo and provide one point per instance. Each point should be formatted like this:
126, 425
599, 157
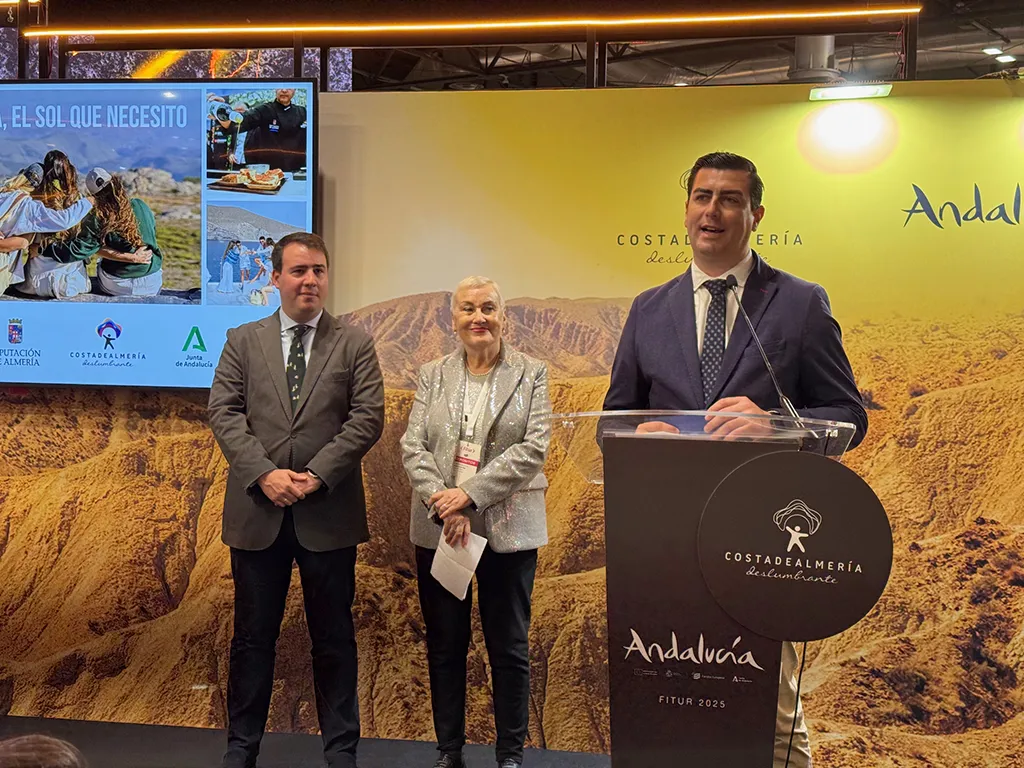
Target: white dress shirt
702, 297
287, 324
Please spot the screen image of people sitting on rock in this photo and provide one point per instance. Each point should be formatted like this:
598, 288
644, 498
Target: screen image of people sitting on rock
239, 246
256, 142
100, 197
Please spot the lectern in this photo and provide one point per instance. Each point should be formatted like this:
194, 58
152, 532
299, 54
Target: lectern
718, 544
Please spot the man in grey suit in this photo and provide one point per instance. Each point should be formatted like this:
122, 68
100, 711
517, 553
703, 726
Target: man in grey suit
296, 402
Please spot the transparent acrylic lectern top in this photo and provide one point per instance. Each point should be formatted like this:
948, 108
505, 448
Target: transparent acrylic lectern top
580, 435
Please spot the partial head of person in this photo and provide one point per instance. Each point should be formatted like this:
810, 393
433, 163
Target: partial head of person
285, 96
25, 180
478, 314
59, 186
300, 264
113, 206
97, 180
38, 751
263, 240
723, 208
59, 174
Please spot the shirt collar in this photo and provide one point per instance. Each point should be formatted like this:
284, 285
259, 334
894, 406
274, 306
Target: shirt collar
287, 323
741, 271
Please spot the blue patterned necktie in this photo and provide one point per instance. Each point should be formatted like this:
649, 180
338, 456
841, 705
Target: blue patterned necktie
296, 368
713, 347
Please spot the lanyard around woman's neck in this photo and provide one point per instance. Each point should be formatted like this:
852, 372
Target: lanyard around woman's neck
478, 407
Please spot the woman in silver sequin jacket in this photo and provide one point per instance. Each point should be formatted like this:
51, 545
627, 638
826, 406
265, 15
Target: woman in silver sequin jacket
483, 408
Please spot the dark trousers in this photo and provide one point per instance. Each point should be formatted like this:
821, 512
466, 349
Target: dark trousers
261, 586
505, 584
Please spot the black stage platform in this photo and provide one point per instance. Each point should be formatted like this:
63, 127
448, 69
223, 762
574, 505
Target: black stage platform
117, 745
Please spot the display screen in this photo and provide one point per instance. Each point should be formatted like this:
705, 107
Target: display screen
137, 222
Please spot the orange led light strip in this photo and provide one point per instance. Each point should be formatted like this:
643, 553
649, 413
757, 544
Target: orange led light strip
484, 26
158, 65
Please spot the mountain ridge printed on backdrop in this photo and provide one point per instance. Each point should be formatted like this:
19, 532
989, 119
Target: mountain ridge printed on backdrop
115, 591
576, 337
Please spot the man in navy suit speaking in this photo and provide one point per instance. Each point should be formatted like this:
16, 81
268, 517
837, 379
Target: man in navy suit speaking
683, 349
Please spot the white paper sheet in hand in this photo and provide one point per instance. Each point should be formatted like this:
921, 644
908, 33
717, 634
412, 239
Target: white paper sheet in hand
454, 567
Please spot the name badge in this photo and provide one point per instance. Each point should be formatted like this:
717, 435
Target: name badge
467, 461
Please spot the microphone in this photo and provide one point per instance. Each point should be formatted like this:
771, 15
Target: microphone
730, 283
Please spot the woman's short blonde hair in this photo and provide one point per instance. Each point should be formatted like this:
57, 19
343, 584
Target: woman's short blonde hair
476, 281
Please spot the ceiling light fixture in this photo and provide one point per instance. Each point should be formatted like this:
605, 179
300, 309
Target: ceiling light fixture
840, 92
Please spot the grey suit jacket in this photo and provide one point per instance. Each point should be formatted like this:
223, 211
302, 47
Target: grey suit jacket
339, 417
508, 489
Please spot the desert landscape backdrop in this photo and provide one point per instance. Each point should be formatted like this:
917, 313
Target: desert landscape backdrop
115, 590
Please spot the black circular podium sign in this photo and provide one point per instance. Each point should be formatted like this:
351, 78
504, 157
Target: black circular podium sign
795, 546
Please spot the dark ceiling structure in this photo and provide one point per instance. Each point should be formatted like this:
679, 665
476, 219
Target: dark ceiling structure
947, 40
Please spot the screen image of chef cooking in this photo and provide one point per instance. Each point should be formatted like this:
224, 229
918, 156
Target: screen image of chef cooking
256, 141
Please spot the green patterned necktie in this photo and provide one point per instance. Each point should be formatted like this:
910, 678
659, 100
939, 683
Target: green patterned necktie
296, 368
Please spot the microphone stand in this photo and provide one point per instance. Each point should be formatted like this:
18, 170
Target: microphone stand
784, 401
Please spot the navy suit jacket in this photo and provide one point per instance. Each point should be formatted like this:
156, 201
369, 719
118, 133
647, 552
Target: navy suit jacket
657, 366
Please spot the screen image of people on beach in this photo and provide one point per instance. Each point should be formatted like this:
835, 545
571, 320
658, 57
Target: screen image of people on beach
240, 243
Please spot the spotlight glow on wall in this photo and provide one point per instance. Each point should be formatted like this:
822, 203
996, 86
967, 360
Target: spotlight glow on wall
848, 128
848, 136
841, 92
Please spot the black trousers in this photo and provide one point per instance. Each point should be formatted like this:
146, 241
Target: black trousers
261, 586
505, 585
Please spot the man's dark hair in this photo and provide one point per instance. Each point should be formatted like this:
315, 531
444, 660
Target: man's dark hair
308, 239
727, 161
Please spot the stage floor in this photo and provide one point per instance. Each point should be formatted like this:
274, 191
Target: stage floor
118, 745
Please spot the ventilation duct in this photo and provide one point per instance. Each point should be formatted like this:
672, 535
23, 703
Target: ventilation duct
814, 60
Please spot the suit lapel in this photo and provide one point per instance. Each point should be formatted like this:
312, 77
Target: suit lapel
453, 390
508, 372
685, 321
324, 341
453, 382
270, 342
757, 294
